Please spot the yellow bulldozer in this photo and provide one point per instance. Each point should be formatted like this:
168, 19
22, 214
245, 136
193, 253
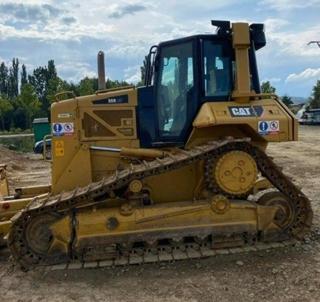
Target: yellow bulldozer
174, 169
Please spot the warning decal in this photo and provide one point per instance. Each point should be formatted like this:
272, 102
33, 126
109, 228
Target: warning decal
60, 129
268, 127
59, 148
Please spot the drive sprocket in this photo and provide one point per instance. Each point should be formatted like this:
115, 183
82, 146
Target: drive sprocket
232, 173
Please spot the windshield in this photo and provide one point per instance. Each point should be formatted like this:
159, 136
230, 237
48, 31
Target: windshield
217, 69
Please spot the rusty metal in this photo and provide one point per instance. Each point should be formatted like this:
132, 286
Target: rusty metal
101, 71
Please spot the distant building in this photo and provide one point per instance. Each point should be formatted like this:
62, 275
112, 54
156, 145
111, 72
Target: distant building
309, 116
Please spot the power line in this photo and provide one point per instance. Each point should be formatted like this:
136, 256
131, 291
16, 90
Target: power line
314, 42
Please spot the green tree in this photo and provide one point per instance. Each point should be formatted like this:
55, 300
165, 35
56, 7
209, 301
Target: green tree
5, 108
75, 88
56, 85
13, 79
29, 102
266, 87
287, 100
143, 70
52, 71
3, 79
37, 91
116, 84
24, 77
40, 80
315, 96
86, 86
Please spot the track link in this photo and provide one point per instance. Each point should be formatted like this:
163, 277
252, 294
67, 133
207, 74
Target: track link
108, 187
177, 254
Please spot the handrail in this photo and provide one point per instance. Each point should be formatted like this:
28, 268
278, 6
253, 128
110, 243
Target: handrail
114, 89
44, 151
68, 92
149, 72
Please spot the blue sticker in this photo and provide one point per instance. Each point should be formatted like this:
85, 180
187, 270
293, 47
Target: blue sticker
57, 128
61, 129
263, 126
268, 127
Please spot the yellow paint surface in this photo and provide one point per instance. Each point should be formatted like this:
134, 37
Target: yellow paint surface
59, 148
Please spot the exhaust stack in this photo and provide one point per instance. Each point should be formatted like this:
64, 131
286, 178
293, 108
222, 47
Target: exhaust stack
101, 71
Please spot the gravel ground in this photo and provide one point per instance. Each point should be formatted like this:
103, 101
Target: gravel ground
290, 274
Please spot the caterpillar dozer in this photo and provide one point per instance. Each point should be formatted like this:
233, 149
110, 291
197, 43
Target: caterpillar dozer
176, 167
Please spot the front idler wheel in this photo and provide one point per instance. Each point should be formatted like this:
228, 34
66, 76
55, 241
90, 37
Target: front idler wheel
284, 217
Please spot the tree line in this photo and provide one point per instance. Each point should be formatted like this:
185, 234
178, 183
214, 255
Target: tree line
25, 96
313, 101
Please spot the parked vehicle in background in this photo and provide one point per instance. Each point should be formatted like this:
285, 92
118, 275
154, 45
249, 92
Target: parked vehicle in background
41, 128
38, 148
310, 117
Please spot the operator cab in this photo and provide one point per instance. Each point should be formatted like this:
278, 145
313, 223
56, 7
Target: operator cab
183, 74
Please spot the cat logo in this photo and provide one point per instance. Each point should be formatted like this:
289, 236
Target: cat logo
237, 111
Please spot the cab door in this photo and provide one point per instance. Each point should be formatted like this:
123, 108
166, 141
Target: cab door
175, 92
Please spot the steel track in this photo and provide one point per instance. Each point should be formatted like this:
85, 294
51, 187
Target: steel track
162, 255
109, 187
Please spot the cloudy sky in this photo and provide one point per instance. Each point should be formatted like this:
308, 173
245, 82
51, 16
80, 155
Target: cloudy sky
71, 32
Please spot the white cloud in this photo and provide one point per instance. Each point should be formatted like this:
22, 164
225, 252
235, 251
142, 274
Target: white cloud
131, 21
119, 11
123, 50
75, 71
28, 2
285, 5
125, 30
132, 74
272, 80
307, 74
274, 24
55, 31
284, 38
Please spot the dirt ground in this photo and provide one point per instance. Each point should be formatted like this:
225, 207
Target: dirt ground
25, 169
290, 274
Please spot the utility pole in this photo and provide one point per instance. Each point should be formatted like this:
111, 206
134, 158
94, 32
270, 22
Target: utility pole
314, 42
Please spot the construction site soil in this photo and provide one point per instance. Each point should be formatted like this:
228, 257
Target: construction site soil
286, 274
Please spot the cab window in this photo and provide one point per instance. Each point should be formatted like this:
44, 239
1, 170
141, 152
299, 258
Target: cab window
217, 66
174, 86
